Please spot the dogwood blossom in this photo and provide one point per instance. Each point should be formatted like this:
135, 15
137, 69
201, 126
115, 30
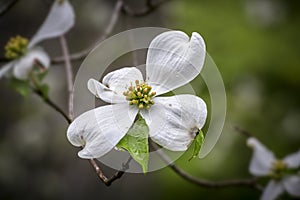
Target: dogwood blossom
173, 60
24, 54
264, 163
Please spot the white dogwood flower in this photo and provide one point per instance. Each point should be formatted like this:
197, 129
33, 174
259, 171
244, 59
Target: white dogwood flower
264, 163
25, 54
173, 60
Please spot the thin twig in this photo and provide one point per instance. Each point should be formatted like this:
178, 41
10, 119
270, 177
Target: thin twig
98, 171
119, 173
52, 104
69, 73
250, 182
6, 6
115, 176
242, 131
103, 178
113, 21
150, 7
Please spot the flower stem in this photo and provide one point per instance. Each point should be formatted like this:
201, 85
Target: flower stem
69, 73
51, 104
250, 182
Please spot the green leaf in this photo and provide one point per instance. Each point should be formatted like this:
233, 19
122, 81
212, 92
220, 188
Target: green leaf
136, 143
22, 87
40, 75
198, 141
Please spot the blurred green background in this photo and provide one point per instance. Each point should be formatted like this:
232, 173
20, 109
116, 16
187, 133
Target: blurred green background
256, 46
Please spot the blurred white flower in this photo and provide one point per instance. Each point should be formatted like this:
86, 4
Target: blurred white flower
24, 55
173, 60
264, 163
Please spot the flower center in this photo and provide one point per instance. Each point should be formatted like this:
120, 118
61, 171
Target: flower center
278, 169
140, 95
16, 47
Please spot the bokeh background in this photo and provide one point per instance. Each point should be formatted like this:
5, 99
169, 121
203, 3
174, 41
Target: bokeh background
255, 44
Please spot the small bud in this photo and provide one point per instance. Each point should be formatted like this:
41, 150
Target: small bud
134, 101
139, 94
153, 94
145, 90
137, 82
146, 101
133, 96
141, 106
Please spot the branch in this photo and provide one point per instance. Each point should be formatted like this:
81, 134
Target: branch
251, 182
150, 7
117, 175
52, 104
113, 20
103, 178
69, 73
70, 81
6, 6
243, 132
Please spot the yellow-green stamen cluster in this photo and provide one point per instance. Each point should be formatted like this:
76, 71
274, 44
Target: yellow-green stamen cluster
16, 47
278, 169
140, 95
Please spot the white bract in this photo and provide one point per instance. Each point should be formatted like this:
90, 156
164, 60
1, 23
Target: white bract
264, 163
59, 20
173, 60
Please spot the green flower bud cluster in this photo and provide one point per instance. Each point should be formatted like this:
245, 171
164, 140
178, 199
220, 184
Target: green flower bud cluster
16, 47
140, 95
278, 169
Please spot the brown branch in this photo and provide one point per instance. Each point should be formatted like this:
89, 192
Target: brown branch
150, 7
103, 178
69, 73
243, 132
115, 176
6, 6
113, 20
51, 104
70, 81
250, 182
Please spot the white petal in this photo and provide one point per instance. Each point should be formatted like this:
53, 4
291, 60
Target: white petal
25, 64
99, 130
6, 68
262, 158
105, 93
41, 56
23, 67
119, 80
292, 185
293, 160
173, 121
59, 20
173, 60
273, 190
